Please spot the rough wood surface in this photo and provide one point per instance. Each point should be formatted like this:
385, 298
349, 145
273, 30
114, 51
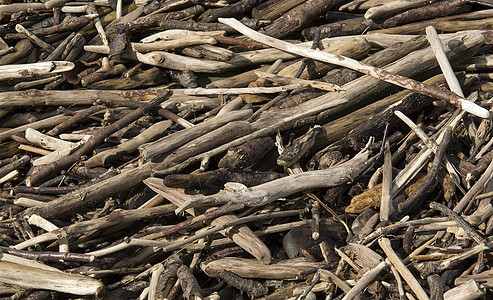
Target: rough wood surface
259, 170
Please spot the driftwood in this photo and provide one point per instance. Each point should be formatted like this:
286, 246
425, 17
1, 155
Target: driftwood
271, 191
368, 70
86, 187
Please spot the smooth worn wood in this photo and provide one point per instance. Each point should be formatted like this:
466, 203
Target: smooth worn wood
273, 190
248, 268
34, 278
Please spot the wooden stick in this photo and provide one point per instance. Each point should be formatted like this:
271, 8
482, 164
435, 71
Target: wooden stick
113, 219
365, 280
179, 33
474, 189
271, 191
462, 223
42, 44
93, 142
34, 83
45, 141
443, 62
289, 80
154, 282
387, 76
326, 275
403, 270
249, 90
391, 8
386, 201
35, 69
173, 44
34, 278
45, 123
467, 291
48, 226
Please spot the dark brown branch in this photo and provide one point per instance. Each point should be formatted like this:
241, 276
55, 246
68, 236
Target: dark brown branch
80, 115
417, 198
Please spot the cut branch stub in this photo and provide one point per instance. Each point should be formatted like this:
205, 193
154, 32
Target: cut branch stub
379, 73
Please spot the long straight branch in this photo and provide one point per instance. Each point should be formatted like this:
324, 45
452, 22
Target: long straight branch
379, 73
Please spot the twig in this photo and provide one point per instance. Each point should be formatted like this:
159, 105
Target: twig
33, 38
474, 189
365, 280
268, 192
156, 273
403, 270
416, 198
339, 60
386, 201
96, 139
448, 72
462, 223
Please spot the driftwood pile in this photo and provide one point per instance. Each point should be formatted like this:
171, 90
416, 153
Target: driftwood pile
279, 149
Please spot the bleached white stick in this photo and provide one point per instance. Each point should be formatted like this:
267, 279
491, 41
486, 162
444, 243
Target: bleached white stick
34, 69
48, 226
343, 61
443, 62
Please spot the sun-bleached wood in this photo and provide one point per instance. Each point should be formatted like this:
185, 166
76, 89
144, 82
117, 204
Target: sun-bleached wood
390, 77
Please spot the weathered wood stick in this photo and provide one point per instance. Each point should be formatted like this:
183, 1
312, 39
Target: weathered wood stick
17, 7
273, 9
387, 76
365, 280
115, 218
172, 34
232, 10
356, 48
403, 270
112, 154
275, 189
248, 90
298, 17
439, 24
34, 83
208, 141
392, 8
15, 165
249, 268
289, 80
386, 201
45, 141
34, 278
173, 44
69, 23
33, 38
183, 63
179, 138
242, 235
35, 69
45, 123
429, 11
209, 52
467, 291
90, 96
55, 3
